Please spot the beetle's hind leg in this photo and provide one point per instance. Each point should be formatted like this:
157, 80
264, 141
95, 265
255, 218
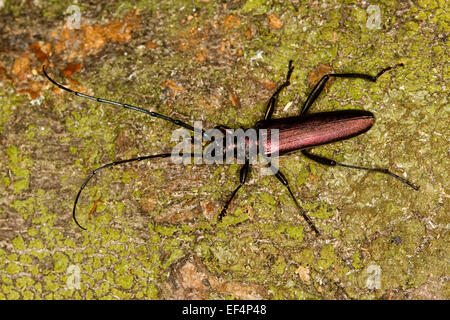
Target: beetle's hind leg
274, 98
318, 88
330, 162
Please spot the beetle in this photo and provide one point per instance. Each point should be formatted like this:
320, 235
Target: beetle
302, 133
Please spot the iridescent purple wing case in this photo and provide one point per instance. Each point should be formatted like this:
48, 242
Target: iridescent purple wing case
315, 129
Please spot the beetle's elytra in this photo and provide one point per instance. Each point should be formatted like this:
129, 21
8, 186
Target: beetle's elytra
302, 133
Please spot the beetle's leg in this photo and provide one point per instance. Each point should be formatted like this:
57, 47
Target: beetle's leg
318, 88
115, 163
329, 162
285, 182
242, 177
274, 98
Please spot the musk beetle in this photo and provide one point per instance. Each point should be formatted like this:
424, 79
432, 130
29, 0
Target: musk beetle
302, 133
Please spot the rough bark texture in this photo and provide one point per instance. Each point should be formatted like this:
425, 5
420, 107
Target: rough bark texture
155, 234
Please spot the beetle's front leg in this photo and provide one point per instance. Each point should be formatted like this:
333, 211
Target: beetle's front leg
274, 98
243, 178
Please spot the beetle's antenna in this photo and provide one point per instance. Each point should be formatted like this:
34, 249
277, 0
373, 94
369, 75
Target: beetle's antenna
115, 163
124, 105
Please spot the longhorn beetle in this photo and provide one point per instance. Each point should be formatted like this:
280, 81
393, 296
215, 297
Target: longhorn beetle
301, 132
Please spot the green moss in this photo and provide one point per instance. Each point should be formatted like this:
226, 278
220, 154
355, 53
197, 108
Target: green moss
18, 243
267, 199
23, 282
18, 165
13, 257
166, 230
25, 259
295, 232
13, 268
20, 186
25, 207
304, 257
327, 257
60, 262
421, 16
446, 290
408, 250
412, 26
301, 177
410, 234
357, 263
359, 15
125, 281
36, 243
13, 295
427, 4
237, 217
279, 266
256, 7
321, 211
28, 295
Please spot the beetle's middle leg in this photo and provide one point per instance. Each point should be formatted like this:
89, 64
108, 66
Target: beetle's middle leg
274, 98
318, 88
243, 178
330, 162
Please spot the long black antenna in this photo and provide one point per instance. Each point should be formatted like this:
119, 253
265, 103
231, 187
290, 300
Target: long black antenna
124, 105
115, 163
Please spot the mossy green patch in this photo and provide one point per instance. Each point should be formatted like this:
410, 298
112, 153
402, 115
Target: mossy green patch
28, 295
125, 281
279, 266
18, 243
166, 230
25, 207
237, 217
18, 164
23, 282
304, 257
261, 241
25, 259
428, 4
359, 15
13, 268
254, 6
295, 232
152, 291
60, 262
357, 263
327, 257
